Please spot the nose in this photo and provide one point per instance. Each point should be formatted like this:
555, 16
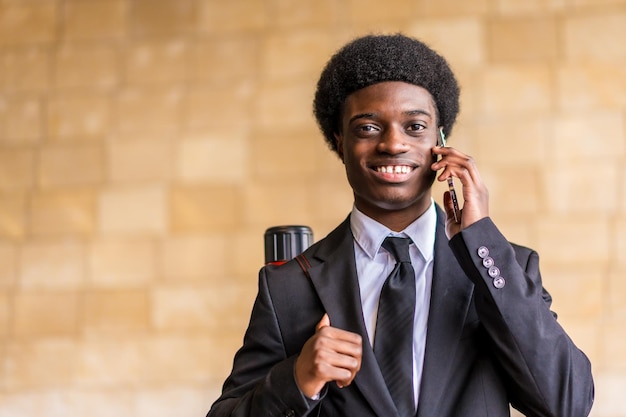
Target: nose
393, 141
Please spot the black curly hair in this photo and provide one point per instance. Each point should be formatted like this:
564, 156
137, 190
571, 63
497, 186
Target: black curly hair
373, 59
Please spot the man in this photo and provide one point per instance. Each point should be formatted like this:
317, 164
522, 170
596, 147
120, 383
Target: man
481, 336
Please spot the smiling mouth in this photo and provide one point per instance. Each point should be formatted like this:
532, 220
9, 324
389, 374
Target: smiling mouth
393, 169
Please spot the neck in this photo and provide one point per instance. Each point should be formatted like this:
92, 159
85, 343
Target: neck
395, 220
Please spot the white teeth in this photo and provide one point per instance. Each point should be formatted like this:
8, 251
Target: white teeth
394, 169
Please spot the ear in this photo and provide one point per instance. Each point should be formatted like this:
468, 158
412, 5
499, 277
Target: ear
339, 143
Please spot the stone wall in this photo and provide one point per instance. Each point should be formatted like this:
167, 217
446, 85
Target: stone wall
145, 146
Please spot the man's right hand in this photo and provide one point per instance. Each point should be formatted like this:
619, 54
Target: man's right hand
331, 354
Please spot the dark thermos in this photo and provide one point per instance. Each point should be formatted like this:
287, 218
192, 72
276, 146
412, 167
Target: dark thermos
283, 243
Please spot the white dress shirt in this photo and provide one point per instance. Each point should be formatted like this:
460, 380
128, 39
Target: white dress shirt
374, 264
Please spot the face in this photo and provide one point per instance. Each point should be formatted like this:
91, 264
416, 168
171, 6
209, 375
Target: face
387, 133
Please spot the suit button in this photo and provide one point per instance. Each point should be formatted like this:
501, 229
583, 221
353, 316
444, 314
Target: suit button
494, 271
488, 262
499, 282
483, 252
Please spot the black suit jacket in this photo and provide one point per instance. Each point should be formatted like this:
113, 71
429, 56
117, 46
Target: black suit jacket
486, 347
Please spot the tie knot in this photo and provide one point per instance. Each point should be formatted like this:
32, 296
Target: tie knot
398, 247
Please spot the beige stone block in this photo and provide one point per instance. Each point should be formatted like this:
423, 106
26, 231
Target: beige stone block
26, 69
171, 400
578, 187
13, 210
201, 307
232, 16
8, 264
28, 22
244, 255
205, 208
86, 66
193, 258
275, 203
586, 335
371, 11
60, 400
42, 314
52, 264
217, 107
331, 199
5, 313
531, 86
122, 263
133, 210
525, 7
286, 154
616, 294
21, 120
573, 240
614, 344
141, 159
220, 157
98, 19
71, 165
163, 17
63, 212
572, 142
40, 364
583, 34
289, 55
116, 310
275, 99
175, 308
591, 86
589, 4
610, 388
308, 13
526, 39
104, 361
513, 189
177, 358
224, 59
451, 7
17, 168
72, 116
578, 293
148, 110
619, 243
156, 61
458, 40
523, 142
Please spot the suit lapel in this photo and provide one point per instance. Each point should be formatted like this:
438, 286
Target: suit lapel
450, 298
336, 283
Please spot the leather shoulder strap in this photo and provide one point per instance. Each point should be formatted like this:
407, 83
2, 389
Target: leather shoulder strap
304, 264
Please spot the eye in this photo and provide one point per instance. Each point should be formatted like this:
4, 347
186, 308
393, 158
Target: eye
366, 130
416, 127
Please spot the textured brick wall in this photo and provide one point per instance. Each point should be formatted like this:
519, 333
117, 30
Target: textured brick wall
145, 145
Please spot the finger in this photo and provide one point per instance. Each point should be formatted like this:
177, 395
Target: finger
324, 322
448, 205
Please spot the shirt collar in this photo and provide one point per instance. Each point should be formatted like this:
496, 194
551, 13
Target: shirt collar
369, 234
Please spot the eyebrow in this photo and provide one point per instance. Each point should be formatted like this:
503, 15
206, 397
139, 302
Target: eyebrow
373, 115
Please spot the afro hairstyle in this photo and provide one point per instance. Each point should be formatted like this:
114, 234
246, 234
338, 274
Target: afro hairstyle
373, 59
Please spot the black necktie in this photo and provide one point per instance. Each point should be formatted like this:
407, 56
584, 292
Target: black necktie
393, 342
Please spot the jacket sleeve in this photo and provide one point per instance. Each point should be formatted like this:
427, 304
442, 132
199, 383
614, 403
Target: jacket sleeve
262, 381
546, 374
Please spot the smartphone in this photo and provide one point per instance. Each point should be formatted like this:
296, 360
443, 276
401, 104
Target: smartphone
455, 201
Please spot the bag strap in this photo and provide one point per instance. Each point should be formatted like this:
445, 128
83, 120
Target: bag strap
304, 264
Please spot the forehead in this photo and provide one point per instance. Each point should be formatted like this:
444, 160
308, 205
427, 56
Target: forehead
390, 96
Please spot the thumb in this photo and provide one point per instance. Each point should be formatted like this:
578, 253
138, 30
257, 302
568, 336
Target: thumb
324, 322
448, 206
